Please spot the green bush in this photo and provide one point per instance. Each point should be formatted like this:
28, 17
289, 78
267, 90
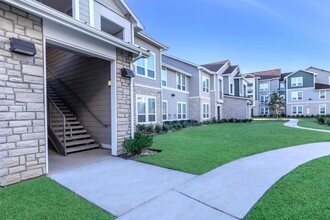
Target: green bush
166, 128
136, 144
150, 128
328, 121
179, 126
185, 124
158, 128
141, 128
320, 119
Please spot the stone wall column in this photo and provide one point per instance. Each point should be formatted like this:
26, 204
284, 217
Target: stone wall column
22, 116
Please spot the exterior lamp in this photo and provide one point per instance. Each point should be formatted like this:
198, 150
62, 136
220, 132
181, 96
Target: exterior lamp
109, 82
22, 47
127, 73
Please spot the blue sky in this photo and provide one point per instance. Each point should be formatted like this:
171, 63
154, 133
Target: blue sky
256, 34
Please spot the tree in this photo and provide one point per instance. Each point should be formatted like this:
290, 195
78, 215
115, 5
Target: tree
276, 105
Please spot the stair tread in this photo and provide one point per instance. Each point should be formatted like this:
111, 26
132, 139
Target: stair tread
81, 148
77, 137
70, 123
80, 142
73, 132
67, 128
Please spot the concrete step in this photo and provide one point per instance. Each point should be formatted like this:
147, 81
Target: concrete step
80, 142
71, 123
59, 128
75, 132
61, 119
82, 148
76, 137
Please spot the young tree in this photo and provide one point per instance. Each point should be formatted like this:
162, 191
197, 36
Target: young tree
276, 105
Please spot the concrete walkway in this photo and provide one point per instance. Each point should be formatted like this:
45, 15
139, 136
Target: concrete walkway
293, 123
132, 190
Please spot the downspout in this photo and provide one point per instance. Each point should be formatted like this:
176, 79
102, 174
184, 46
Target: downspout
132, 96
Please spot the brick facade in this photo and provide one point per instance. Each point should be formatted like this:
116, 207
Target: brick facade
236, 108
22, 107
124, 59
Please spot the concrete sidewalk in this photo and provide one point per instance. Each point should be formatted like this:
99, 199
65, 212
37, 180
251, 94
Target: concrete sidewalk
293, 123
133, 190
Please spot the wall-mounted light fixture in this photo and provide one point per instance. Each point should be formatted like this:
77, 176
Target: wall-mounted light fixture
109, 82
22, 47
127, 73
173, 95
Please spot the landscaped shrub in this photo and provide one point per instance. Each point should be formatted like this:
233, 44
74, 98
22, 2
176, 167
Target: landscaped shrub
328, 121
224, 120
141, 128
231, 120
320, 119
179, 126
184, 125
158, 128
138, 143
150, 128
166, 128
214, 120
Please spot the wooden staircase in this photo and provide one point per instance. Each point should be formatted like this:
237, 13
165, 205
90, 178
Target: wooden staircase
66, 132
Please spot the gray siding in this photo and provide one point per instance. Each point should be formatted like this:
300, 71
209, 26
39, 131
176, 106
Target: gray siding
200, 85
112, 5
156, 83
322, 75
87, 77
84, 11
172, 102
171, 80
237, 87
308, 79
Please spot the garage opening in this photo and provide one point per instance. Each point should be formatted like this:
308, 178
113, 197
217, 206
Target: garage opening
79, 107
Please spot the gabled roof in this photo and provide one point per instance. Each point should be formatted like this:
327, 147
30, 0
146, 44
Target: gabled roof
268, 74
283, 75
319, 86
127, 10
230, 70
215, 67
306, 71
152, 41
309, 69
181, 60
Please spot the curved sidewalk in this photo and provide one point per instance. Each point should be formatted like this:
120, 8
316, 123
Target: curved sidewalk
293, 123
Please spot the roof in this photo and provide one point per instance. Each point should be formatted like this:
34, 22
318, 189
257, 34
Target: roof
283, 75
230, 69
123, 6
268, 74
311, 68
215, 66
152, 41
321, 86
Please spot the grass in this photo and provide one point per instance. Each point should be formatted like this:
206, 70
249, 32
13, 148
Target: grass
302, 194
312, 123
199, 150
44, 199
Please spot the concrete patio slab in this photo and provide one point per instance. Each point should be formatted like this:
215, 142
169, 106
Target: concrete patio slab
119, 185
235, 187
173, 206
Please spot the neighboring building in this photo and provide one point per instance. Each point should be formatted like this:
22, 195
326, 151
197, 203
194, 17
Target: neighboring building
308, 92
265, 83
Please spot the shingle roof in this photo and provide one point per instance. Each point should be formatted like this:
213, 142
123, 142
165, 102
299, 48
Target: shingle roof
215, 66
321, 86
268, 74
230, 69
283, 75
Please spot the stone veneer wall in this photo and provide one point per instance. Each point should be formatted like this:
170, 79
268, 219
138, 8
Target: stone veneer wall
139, 90
195, 108
213, 105
22, 116
235, 108
124, 59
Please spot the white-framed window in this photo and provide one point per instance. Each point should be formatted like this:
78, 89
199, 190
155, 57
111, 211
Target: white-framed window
164, 110
264, 111
182, 110
264, 98
323, 94
206, 111
146, 66
295, 96
181, 82
297, 109
264, 87
296, 81
206, 84
322, 109
146, 109
164, 77
282, 86
250, 88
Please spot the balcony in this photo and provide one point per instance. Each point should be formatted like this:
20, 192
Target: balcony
64, 6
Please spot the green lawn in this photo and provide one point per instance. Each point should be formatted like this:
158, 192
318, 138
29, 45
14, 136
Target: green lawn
302, 194
44, 199
312, 123
199, 150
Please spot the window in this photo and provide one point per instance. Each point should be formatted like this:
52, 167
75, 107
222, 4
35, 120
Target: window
296, 96
182, 110
264, 87
206, 111
283, 98
296, 81
322, 109
264, 111
206, 84
181, 82
146, 66
323, 94
264, 98
231, 88
220, 89
297, 110
164, 110
250, 88
146, 109
282, 86
164, 77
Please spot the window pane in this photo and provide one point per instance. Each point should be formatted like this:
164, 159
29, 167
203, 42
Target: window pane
140, 62
152, 118
184, 108
151, 73
179, 109
183, 81
140, 70
151, 62
151, 106
164, 77
141, 118
141, 106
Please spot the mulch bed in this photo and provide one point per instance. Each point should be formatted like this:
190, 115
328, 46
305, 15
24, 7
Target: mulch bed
145, 152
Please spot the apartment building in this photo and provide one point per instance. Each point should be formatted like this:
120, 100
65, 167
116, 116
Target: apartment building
308, 92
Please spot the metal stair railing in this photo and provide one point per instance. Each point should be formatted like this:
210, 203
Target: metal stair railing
55, 114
